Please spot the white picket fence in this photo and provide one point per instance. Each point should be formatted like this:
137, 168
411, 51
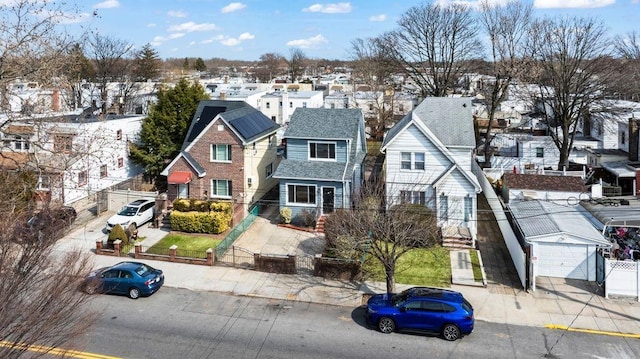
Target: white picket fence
621, 278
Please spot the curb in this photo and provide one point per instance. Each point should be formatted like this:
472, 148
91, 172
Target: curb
592, 331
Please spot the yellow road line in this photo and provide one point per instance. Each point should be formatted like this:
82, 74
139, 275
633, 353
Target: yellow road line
56, 351
591, 331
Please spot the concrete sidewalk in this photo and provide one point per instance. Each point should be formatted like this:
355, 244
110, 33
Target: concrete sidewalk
556, 303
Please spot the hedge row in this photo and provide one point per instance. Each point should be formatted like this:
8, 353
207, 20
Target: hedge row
200, 222
199, 205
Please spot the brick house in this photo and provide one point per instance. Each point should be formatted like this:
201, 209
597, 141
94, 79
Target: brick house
229, 153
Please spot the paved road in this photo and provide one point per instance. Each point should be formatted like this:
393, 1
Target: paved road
178, 323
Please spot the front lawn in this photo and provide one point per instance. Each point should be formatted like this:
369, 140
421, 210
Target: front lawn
421, 267
188, 245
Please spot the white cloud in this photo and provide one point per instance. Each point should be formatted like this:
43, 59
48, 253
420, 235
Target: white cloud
192, 27
339, 8
378, 18
310, 42
176, 13
246, 36
234, 6
151, 25
158, 40
109, 4
571, 4
230, 42
213, 39
65, 18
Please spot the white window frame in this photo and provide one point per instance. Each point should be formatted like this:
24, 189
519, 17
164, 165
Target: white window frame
303, 204
316, 143
404, 161
443, 207
214, 188
213, 152
268, 170
419, 165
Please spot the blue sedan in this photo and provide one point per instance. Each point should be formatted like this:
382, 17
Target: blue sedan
131, 278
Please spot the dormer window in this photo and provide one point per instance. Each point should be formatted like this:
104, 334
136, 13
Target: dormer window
322, 150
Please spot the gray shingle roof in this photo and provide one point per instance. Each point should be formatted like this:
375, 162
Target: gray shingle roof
324, 123
310, 170
450, 119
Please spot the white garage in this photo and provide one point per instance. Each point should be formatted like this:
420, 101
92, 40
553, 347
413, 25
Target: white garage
562, 260
563, 241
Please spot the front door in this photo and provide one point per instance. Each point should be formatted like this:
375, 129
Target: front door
328, 200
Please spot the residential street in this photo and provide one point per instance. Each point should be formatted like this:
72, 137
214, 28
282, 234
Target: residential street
177, 323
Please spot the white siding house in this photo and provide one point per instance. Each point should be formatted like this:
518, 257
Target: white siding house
76, 156
428, 162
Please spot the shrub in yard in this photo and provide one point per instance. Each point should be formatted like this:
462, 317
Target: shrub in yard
182, 205
200, 205
117, 232
285, 214
307, 218
131, 232
224, 207
200, 222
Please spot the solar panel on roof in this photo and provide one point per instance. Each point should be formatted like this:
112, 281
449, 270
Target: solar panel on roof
207, 115
252, 124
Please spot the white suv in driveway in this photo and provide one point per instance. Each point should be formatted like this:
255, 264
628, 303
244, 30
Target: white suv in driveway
137, 212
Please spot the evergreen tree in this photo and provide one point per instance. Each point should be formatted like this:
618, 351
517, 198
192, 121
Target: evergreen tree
164, 130
185, 64
199, 65
147, 64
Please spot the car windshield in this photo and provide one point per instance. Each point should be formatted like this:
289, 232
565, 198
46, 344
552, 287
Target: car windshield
144, 270
399, 299
128, 211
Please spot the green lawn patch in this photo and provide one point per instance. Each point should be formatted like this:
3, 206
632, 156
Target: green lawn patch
188, 246
421, 267
475, 265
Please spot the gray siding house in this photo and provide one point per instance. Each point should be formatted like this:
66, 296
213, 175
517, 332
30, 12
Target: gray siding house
324, 151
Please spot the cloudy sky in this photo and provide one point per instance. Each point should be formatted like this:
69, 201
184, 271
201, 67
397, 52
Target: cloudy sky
246, 29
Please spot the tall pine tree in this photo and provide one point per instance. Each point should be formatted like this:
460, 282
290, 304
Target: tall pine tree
147, 64
164, 130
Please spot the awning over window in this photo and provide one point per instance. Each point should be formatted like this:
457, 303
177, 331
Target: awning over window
179, 177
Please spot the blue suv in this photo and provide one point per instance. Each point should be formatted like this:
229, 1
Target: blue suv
422, 309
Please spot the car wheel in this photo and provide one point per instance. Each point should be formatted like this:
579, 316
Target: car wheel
386, 325
450, 332
90, 289
134, 293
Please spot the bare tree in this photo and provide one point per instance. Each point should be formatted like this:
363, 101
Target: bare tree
297, 63
31, 47
387, 234
507, 26
627, 49
109, 56
432, 43
373, 71
570, 68
269, 66
40, 303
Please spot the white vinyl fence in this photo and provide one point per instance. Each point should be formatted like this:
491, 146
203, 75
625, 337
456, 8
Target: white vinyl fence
621, 278
517, 254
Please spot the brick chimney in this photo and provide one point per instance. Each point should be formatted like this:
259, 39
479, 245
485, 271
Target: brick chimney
55, 100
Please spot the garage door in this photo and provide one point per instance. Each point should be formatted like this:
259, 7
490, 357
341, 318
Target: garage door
562, 260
